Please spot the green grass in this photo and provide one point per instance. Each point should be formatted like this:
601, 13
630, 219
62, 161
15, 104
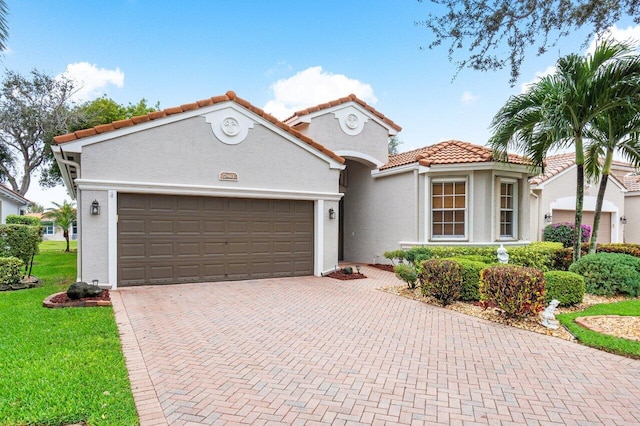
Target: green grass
60, 366
625, 347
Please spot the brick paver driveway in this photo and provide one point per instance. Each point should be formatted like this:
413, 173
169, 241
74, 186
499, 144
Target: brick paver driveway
320, 351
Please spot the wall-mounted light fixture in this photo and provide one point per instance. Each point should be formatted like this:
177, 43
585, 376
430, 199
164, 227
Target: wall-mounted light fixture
95, 282
623, 220
332, 214
547, 218
95, 208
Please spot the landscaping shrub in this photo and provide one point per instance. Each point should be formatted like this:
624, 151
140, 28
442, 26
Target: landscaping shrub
563, 233
566, 287
517, 290
630, 249
395, 256
408, 274
564, 257
488, 253
10, 270
417, 255
14, 219
20, 241
609, 273
470, 272
540, 255
441, 279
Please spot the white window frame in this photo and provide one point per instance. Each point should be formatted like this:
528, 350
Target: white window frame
464, 237
514, 209
51, 225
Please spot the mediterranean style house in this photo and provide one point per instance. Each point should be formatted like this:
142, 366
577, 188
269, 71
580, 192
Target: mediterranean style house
220, 190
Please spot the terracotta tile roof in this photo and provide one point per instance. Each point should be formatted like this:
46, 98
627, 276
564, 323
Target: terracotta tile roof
229, 96
632, 182
448, 152
554, 164
350, 98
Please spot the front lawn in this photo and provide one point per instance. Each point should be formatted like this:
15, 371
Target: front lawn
624, 347
60, 366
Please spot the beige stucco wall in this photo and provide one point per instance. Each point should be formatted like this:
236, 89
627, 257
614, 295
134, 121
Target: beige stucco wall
631, 231
8, 207
186, 154
372, 140
559, 189
379, 213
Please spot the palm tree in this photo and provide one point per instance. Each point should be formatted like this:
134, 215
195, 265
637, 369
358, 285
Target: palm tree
556, 111
616, 130
64, 215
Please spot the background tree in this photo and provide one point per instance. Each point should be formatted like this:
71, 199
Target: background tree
617, 130
497, 33
102, 110
36, 208
64, 215
557, 110
32, 111
394, 143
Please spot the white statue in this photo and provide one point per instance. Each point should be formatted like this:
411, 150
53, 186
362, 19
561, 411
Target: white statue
503, 256
548, 316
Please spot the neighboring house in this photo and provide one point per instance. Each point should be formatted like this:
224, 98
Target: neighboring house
11, 203
51, 232
220, 190
631, 226
553, 200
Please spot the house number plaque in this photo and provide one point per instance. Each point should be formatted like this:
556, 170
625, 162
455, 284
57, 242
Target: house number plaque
228, 176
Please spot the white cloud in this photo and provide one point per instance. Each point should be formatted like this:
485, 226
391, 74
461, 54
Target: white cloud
92, 81
311, 87
629, 34
468, 98
525, 86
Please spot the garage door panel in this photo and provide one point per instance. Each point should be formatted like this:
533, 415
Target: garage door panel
173, 239
604, 230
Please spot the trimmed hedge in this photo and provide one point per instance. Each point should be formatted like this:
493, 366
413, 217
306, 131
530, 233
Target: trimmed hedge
20, 241
564, 257
14, 219
566, 287
470, 271
441, 279
609, 273
517, 290
540, 255
407, 273
10, 270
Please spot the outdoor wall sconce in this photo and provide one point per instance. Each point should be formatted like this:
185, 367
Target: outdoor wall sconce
95, 208
547, 217
95, 282
623, 220
332, 214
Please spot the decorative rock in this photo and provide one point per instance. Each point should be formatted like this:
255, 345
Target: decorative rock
548, 315
81, 289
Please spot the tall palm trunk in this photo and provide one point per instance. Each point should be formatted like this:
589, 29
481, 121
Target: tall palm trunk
577, 232
606, 171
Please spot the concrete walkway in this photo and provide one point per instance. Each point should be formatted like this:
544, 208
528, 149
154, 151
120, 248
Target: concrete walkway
320, 351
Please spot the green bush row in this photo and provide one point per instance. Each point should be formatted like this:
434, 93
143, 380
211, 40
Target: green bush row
10, 270
14, 219
609, 273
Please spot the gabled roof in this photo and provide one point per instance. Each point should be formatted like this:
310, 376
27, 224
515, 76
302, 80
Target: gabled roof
554, 165
632, 182
229, 96
350, 98
448, 152
13, 195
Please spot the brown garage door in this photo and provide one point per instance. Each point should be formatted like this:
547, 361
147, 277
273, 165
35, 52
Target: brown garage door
164, 239
604, 231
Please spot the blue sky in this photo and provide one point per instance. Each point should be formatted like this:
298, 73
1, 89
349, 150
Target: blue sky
278, 55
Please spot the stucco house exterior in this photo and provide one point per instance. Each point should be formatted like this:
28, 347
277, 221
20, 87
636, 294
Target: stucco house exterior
220, 190
553, 200
51, 232
11, 203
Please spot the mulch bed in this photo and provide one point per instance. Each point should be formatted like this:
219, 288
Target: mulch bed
339, 275
61, 300
388, 268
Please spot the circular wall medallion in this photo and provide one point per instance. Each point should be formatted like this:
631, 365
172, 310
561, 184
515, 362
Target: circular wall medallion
352, 121
230, 126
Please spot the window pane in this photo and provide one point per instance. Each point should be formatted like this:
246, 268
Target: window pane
460, 188
460, 202
459, 229
437, 189
437, 202
447, 188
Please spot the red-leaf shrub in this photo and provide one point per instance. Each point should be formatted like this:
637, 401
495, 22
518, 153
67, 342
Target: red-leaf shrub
519, 291
441, 279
